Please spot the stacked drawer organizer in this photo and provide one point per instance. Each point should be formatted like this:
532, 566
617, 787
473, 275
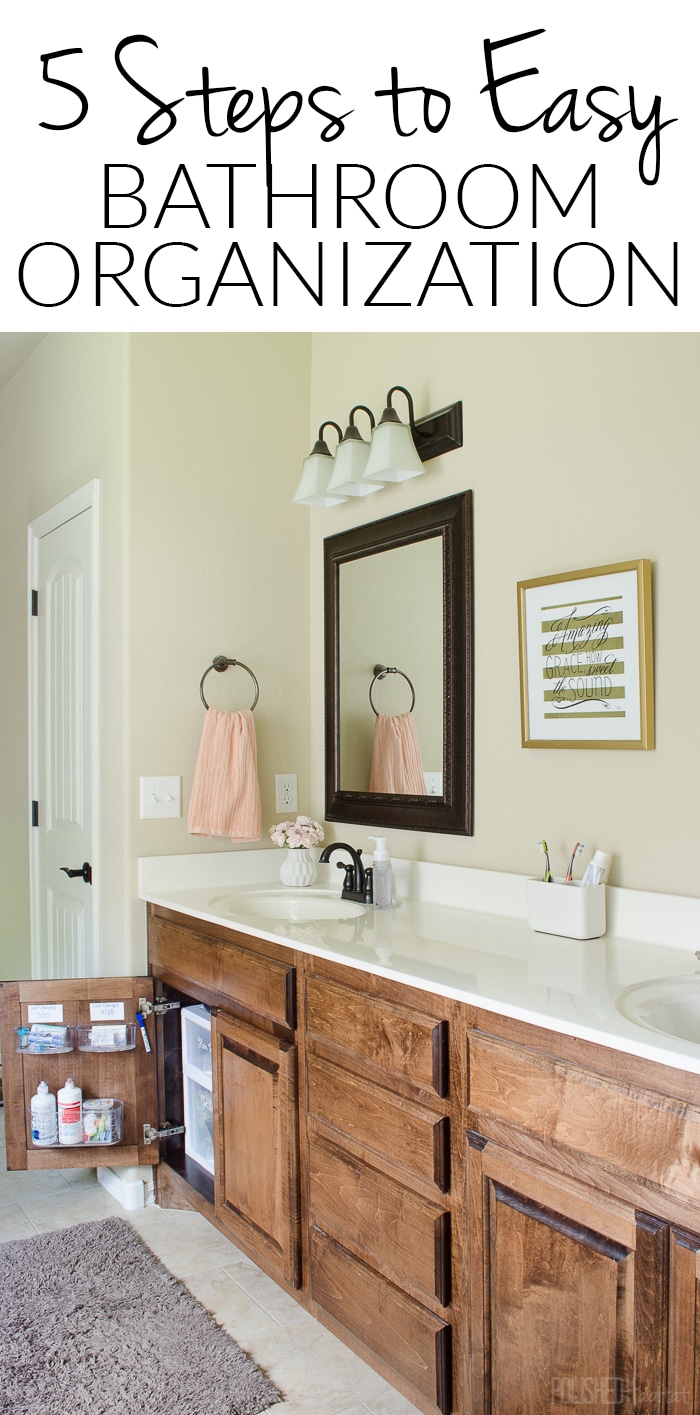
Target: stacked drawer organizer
197, 1085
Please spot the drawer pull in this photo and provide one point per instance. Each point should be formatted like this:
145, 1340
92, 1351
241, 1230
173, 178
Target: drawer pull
441, 1154
290, 999
443, 1370
440, 1059
443, 1259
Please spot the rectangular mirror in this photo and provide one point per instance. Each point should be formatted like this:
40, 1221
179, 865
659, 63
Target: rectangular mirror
398, 670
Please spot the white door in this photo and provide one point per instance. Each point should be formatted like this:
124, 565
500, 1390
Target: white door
62, 731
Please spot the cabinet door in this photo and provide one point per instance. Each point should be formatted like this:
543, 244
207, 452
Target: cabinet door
257, 1147
576, 1298
129, 1076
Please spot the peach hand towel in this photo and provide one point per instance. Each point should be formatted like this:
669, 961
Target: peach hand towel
225, 795
396, 760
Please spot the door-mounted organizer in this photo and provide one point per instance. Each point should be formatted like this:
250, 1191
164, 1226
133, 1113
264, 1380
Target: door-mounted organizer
124, 1072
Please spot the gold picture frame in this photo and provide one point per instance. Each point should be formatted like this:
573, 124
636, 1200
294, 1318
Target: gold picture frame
586, 658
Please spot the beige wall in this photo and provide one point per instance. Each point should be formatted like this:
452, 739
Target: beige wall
582, 450
62, 422
197, 443
218, 562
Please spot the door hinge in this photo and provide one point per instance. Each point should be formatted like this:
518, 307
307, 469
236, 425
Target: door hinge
150, 1134
160, 1005
35, 812
35, 604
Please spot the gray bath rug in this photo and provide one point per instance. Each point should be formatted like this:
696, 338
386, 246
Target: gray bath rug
91, 1323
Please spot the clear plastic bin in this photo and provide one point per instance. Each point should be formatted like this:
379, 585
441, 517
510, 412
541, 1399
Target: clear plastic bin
44, 1039
102, 1125
107, 1036
102, 1122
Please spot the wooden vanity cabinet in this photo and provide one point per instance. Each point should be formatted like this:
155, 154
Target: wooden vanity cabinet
500, 1219
583, 1187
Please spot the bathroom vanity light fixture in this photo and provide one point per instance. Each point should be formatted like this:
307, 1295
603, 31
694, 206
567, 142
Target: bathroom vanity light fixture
399, 449
347, 478
396, 452
313, 489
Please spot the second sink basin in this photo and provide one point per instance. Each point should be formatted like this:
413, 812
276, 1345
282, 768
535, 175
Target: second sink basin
290, 905
668, 1005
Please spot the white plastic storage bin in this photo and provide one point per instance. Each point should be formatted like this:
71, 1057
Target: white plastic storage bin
197, 1083
571, 909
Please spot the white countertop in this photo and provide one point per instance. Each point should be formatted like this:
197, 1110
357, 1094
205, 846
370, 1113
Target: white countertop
477, 955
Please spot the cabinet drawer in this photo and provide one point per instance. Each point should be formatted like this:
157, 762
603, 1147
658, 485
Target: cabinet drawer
229, 972
404, 1334
639, 1131
380, 1220
401, 1132
392, 1039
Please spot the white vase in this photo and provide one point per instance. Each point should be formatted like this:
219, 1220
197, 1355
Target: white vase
298, 867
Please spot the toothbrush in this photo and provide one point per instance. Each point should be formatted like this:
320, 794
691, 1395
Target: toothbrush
578, 847
547, 871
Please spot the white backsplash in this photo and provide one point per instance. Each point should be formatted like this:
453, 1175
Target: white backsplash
665, 919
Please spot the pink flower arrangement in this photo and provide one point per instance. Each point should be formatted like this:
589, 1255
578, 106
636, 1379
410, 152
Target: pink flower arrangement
298, 834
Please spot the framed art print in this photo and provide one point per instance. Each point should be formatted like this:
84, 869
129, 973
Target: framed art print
586, 658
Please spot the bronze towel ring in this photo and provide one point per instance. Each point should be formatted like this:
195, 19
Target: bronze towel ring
380, 671
221, 664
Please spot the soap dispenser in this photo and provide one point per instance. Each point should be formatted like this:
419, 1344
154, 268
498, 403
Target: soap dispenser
381, 873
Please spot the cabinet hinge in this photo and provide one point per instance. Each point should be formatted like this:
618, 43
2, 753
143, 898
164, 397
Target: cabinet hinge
160, 1005
35, 812
150, 1134
35, 604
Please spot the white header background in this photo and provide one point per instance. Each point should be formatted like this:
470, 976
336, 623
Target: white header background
53, 181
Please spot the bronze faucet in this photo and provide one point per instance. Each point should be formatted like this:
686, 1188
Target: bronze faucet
357, 883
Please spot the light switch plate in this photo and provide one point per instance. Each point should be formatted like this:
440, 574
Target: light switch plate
161, 796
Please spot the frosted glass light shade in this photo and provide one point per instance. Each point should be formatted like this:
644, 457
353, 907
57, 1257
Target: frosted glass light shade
393, 455
350, 463
313, 488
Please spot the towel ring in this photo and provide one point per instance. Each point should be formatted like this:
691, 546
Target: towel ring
221, 664
380, 671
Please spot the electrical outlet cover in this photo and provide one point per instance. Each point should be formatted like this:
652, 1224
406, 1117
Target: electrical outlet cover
286, 794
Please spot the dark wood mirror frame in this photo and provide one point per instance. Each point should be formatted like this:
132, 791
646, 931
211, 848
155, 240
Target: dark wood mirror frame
451, 813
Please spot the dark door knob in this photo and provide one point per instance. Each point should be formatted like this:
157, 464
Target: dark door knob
84, 873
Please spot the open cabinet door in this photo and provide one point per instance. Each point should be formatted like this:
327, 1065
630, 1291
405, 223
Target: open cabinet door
128, 1075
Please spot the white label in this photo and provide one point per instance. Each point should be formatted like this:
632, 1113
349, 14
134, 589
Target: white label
45, 1012
108, 1037
106, 1011
44, 1126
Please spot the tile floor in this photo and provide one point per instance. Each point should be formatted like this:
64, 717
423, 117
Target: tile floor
316, 1374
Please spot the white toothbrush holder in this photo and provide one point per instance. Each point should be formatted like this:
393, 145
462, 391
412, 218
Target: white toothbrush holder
572, 909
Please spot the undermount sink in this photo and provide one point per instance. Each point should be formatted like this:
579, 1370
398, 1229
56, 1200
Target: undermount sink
291, 905
667, 1005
